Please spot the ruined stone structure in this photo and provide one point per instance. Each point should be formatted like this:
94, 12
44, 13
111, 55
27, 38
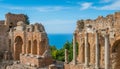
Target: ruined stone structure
27, 44
3, 36
99, 43
5, 25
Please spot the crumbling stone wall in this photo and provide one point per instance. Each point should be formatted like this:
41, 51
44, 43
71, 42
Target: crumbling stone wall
26, 44
104, 25
2, 22
109, 24
31, 43
3, 39
5, 25
12, 19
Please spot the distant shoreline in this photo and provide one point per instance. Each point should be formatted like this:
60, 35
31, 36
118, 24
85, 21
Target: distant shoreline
59, 40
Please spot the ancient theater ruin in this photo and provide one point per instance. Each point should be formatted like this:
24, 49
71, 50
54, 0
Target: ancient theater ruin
24, 43
31, 43
99, 44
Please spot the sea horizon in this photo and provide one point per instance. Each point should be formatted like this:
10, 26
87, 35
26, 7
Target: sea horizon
59, 39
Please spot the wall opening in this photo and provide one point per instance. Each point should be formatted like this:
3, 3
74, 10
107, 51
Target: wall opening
18, 47
116, 55
42, 46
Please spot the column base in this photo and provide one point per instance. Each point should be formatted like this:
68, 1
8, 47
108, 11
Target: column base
86, 68
86, 65
74, 62
97, 68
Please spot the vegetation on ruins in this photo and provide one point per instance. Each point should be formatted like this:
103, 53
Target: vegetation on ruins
58, 54
24, 17
80, 24
27, 19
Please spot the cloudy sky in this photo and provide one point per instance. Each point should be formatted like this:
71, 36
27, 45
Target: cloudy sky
59, 16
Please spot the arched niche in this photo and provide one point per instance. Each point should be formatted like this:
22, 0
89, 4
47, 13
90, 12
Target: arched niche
42, 46
116, 55
18, 47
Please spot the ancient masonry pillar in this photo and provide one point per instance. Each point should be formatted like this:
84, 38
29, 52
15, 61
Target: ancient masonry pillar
23, 49
27, 47
38, 48
66, 56
97, 51
24, 44
86, 50
32, 51
74, 49
107, 52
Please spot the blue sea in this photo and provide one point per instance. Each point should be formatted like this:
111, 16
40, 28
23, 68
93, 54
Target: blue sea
59, 40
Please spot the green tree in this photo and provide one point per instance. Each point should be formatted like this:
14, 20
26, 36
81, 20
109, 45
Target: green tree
27, 19
53, 51
58, 54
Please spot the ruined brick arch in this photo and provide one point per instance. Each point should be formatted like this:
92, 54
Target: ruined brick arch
101, 49
92, 55
116, 54
42, 46
82, 51
35, 47
18, 47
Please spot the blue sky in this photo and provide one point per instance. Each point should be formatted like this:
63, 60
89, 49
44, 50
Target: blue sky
59, 16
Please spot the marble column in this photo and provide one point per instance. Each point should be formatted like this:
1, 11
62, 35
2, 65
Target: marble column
97, 58
74, 49
107, 52
86, 50
66, 56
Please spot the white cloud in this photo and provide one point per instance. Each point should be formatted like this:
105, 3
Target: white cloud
15, 8
86, 5
51, 8
113, 6
105, 1
38, 8
10, 7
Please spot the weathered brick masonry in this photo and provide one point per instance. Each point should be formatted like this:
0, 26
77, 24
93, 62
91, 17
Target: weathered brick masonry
99, 43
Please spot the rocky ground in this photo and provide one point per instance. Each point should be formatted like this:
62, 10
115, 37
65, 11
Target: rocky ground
16, 65
20, 66
4, 64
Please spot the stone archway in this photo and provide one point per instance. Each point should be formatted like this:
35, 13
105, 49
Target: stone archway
82, 51
116, 55
92, 54
35, 47
18, 47
42, 47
